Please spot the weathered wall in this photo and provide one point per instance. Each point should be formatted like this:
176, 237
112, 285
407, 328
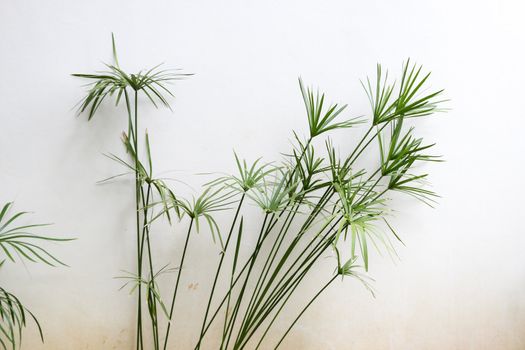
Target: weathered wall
460, 281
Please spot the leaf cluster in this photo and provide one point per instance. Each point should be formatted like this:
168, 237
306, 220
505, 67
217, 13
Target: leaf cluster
321, 118
18, 240
13, 318
411, 100
114, 81
398, 156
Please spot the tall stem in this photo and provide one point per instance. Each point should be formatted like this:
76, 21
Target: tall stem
146, 238
269, 261
177, 284
282, 261
219, 266
247, 313
263, 233
233, 283
132, 131
274, 298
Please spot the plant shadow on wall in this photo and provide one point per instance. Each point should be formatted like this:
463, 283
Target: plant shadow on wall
19, 240
314, 201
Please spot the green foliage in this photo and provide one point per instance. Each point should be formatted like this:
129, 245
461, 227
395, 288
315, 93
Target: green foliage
248, 176
321, 120
312, 202
13, 318
411, 99
359, 215
380, 97
145, 176
398, 157
306, 166
149, 191
351, 269
152, 82
210, 201
153, 297
274, 193
302, 217
19, 240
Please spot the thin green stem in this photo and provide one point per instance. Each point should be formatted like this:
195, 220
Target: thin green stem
132, 128
304, 310
270, 259
228, 293
283, 287
177, 284
293, 285
243, 288
287, 254
223, 254
275, 317
274, 297
310, 219
268, 264
289, 292
350, 159
146, 237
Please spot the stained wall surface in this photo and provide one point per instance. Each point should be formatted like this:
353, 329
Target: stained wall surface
459, 281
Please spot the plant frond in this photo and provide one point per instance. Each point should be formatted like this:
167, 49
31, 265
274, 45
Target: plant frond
321, 119
114, 81
248, 176
411, 100
275, 192
210, 201
399, 153
19, 240
13, 319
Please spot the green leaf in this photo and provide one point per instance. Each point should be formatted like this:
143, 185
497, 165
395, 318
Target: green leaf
17, 240
321, 120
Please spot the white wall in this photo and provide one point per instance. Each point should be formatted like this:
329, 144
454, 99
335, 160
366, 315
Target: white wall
460, 282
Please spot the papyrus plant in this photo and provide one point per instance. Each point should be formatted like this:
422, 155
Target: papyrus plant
314, 202
154, 84
18, 240
317, 202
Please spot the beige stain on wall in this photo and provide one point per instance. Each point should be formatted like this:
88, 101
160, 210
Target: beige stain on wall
359, 323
